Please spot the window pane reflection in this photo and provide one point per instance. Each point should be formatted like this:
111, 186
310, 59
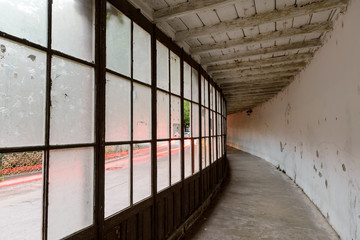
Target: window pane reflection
142, 112
71, 191
118, 41
162, 115
162, 64
21, 201
188, 158
141, 171
142, 55
117, 108
78, 23
117, 178
162, 165
175, 162
175, 117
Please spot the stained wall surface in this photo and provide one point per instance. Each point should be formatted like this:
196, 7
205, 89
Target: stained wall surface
311, 130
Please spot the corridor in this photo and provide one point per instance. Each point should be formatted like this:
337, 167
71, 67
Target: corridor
260, 202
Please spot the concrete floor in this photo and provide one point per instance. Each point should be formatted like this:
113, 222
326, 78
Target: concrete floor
260, 202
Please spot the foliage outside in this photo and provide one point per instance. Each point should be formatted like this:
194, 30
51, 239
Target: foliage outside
16, 163
186, 113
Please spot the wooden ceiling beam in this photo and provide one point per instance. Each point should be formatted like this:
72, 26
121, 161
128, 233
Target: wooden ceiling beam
261, 18
193, 6
302, 57
264, 83
315, 43
242, 93
246, 90
322, 27
251, 98
261, 70
276, 75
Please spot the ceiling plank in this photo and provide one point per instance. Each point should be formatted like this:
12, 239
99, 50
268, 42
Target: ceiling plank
256, 84
243, 92
273, 16
253, 99
231, 81
252, 92
315, 43
241, 89
303, 57
193, 6
261, 70
322, 27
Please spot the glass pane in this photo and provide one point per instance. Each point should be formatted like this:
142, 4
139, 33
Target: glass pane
219, 124
142, 171
214, 123
142, 55
213, 149
202, 121
205, 155
219, 102
162, 115
175, 73
70, 191
142, 112
117, 108
175, 162
219, 147
187, 119
211, 97
21, 195
206, 89
118, 41
196, 155
72, 102
195, 85
188, 158
162, 63
25, 19
206, 122
22, 95
195, 120
187, 81
175, 117
117, 178
163, 180
73, 28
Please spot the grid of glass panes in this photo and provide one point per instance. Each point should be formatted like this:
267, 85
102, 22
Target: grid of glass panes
169, 116
128, 113
223, 128
50, 86
206, 124
47, 130
191, 121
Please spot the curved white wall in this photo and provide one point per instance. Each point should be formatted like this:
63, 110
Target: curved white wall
312, 128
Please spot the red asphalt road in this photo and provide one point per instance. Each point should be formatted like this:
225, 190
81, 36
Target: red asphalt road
118, 161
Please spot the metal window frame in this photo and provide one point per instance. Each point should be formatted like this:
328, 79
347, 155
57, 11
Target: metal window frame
98, 227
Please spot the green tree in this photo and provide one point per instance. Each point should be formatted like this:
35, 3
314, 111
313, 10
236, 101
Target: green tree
186, 113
